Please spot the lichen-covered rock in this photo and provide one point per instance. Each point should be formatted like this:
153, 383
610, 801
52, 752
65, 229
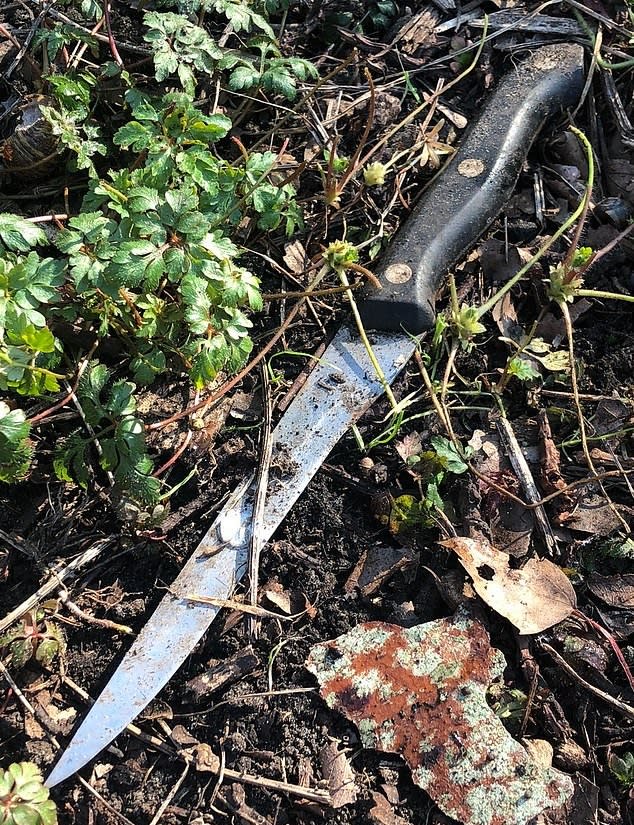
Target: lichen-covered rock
420, 692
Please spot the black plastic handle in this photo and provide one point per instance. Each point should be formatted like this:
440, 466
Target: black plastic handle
471, 189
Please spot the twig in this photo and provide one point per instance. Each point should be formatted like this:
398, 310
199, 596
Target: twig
613, 644
580, 416
161, 809
69, 396
104, 802
523, 472
257, 540
54, 582
233, 604
625, 709
85, 617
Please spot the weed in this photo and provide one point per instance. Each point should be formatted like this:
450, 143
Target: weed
623, 768
149, 260
109, 411
35, 636
23, 798
16, 450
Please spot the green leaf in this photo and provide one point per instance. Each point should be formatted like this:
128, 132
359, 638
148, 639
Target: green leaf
18, 234
243, 77
16, 450
523, 369
449, 457
146, 367
134, 135
121, 401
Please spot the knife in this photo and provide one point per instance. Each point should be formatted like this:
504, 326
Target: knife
451, 215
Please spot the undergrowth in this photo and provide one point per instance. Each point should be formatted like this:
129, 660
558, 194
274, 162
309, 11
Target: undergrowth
148, 261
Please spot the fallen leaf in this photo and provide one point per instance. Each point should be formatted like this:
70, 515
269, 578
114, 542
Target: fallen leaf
593, 515
375, 566
203, 757
382, 812
615, 591
421, 692
339, 775
295, 257
533, 598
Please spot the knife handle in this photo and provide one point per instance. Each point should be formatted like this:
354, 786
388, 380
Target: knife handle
471, 189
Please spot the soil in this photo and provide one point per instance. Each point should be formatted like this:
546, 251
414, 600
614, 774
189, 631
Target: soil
271, 723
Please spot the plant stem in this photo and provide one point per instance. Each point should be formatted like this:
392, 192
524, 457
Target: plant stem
366, 341
600, 293
494, 299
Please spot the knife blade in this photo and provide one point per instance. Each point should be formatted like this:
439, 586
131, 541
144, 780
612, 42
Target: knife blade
450, 216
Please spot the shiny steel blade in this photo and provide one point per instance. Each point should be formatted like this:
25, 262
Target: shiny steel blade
340, 388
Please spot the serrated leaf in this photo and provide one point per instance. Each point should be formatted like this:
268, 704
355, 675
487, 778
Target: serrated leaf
147, 366
243, 77
209, 130
523, 369
18, 234
25, 814
121, 401
449, 457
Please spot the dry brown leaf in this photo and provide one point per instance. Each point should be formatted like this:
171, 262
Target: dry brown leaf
339, 775
533, 598
382, 812
295, 257
617, 591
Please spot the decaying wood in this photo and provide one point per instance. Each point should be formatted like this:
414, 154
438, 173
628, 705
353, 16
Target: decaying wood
224, 673
515, 20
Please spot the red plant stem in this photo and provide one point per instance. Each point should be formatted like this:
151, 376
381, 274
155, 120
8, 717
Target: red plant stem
111, 41
175, 456
613, 644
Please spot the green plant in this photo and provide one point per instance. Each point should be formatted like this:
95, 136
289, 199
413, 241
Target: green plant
23, 798
430, 469
109, 411
185, 49
148, 262
35, 636
273, 72
27, 284
16, 449
623, 768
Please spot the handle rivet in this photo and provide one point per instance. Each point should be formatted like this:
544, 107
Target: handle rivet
398, 273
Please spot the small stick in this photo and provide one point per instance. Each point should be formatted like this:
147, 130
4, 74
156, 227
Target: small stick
85, 617
625, 709
104, 802
161, 809
523, 472
54, 582
257, 540
582, 425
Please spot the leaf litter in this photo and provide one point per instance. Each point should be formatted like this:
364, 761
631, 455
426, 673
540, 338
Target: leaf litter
533, 597
421, 692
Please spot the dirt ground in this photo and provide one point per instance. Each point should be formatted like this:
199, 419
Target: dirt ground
270, 722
